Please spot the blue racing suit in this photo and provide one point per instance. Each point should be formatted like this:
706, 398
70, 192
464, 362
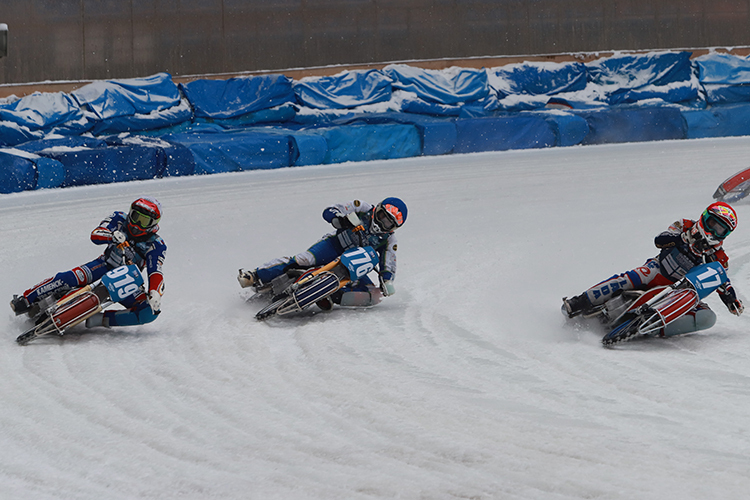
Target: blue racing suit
145, 252
332, 245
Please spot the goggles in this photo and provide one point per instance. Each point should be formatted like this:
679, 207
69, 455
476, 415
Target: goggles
716, 226
142, 220
388, 217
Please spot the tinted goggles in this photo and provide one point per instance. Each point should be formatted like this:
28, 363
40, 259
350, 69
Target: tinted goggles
387, 217
716, 226
142, 220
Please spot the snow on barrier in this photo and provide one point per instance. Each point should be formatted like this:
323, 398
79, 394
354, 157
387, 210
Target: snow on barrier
141, 128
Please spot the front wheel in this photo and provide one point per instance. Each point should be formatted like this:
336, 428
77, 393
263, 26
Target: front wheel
626, 330
45, 327
271, 309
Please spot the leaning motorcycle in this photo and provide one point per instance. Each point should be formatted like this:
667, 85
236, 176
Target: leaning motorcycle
58, 316
293, 293
650, 313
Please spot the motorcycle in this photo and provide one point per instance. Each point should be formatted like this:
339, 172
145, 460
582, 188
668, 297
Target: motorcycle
294, 292
58, 315
734, 189
657, 312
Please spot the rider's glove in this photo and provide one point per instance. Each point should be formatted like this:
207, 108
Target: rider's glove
118, 255
154, 300
118, 237
729, 298
735, 307
341, 222
695, 240
387, 287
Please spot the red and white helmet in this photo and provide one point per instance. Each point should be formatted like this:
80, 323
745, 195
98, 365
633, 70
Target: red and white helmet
143, 217
717, 222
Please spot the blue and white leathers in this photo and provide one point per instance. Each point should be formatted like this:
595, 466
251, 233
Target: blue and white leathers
332, 245
147, 252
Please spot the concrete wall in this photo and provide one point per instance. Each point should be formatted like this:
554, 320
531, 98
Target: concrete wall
102, 39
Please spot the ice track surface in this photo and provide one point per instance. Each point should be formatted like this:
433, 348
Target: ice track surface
465, 384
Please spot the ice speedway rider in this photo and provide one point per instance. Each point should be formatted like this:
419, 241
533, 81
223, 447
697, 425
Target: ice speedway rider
145, 248
378, 224
684, 245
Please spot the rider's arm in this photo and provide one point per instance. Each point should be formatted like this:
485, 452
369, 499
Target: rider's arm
344, 209
102, 235
729, 298
719, 256
154, 261
673, 236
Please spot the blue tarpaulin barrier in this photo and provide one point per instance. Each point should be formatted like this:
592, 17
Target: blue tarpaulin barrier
12, 134
370, 142
142, 122
438, 135
91, 161
346, 90
279, 114
16, 173
538, 79
435, 86
42, 111
633, 125
312, 148
569, 129
724, 77
638, 70
718, 121
113, 98
119, 130
236, 150
628, 78
172, 160
237, 96
502, 133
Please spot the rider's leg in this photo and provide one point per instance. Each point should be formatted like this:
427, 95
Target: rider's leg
322, 252
641, 278
138, 314
67, 280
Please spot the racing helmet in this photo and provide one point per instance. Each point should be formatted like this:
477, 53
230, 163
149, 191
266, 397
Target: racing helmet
143, 217
717, 222
389, 215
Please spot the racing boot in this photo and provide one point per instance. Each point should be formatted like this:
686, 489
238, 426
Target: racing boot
20, 304
247, 278
98, 319
576, 305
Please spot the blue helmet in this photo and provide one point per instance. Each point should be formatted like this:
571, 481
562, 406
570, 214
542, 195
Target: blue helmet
389, 214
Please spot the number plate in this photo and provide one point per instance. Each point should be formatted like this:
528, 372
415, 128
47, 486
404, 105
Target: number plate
359, 261
706, 278
122, 282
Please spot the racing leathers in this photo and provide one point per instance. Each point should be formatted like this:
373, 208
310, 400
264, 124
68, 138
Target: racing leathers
146, 252
346, 236
681, 247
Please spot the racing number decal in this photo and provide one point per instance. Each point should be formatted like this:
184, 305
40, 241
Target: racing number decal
708, 274
126, 286
362, 265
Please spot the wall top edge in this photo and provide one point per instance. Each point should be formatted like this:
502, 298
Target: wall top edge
23, 89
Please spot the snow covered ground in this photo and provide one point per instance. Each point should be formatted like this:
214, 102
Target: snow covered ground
466, 384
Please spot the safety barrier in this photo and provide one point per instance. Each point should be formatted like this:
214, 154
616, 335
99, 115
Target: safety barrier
122, 130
